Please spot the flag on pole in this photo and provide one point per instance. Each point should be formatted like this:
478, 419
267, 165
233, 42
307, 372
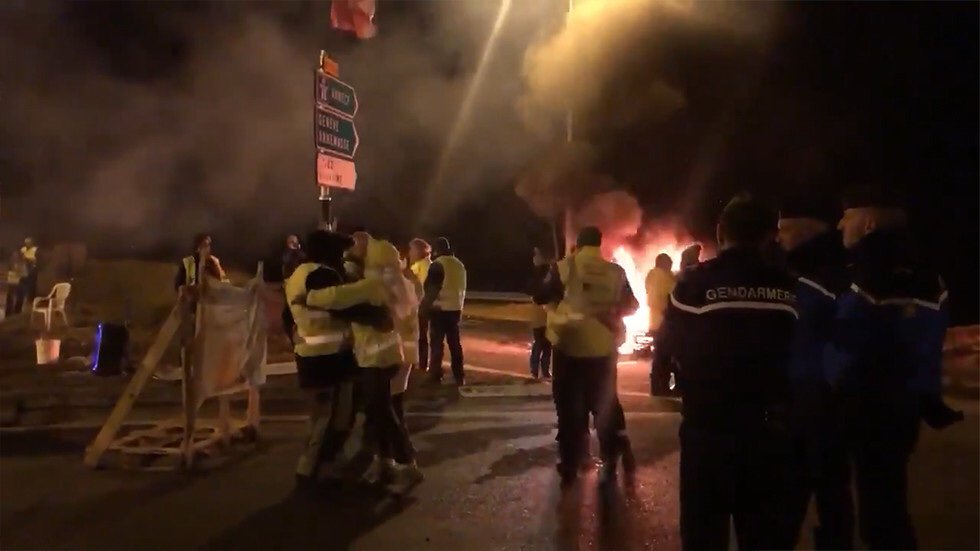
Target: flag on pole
356, 16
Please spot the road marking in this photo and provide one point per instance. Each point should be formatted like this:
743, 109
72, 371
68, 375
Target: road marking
286, 368
299, 418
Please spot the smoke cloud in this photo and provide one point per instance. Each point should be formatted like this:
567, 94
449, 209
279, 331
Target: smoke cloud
214, 132
614, 65
601, 41
616, 213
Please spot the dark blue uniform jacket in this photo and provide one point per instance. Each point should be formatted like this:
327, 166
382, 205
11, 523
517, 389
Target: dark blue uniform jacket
890, 322
729, 325
819, 268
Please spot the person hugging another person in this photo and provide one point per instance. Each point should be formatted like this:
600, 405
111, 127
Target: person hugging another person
382, 339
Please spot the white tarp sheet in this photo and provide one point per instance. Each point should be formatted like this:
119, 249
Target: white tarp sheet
231, 347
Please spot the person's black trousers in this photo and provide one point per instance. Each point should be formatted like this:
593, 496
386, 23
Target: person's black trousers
819, 468
29, 287
15, 299
423, 341
583, 386
730, 476
883, 429
331, 418
540, 354
389, 432
444, 327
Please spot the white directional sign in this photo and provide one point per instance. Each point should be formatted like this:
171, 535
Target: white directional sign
335, 172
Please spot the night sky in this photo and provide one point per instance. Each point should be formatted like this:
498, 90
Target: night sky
840, 93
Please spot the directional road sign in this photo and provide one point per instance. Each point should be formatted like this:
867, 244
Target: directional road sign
337, 95
335, 172
334, 133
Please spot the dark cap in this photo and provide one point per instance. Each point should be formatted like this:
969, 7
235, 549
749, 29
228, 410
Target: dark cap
816, 206
324, 246
866, 196
747, 220
589, 236
442, 246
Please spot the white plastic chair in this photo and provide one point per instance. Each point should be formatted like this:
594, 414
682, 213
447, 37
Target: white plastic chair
54, 302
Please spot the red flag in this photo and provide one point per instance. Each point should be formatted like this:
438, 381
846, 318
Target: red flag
354, 16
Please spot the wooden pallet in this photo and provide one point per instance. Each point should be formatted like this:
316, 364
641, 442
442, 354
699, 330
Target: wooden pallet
167, 445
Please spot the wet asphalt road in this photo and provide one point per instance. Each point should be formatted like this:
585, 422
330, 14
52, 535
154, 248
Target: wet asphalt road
490, 485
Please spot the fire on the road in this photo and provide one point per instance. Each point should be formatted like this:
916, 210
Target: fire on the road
637, 263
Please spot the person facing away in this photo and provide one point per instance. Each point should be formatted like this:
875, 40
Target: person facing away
886, 359
819, 466
292, 256
729, 325
691, 256
187, 272
660, 282
445, 293
419, 260
587, 297
540, 359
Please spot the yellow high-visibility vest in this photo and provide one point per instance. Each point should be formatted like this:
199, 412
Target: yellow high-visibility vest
421, 268
317, 332
453, 292
593, 290
659, 284
29, 254
190, 270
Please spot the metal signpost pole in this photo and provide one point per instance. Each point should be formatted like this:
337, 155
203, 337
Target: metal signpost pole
569, 230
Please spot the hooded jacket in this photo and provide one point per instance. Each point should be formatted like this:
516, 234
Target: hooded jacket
380, 340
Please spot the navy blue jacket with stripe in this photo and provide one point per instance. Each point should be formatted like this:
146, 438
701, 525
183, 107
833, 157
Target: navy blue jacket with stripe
890, 322
819, 268
729, 326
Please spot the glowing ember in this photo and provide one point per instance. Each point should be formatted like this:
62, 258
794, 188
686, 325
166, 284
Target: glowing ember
636, 264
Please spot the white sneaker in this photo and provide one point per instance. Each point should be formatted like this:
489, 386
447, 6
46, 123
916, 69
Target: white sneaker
378, 470
404, 477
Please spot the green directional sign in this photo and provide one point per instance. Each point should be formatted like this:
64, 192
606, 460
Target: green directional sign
334, 133
336, 94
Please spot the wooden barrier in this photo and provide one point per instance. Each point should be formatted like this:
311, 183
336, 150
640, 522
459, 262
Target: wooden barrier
179, 441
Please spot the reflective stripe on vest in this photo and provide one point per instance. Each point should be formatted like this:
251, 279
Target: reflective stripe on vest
318, 332
329, 338
453, 293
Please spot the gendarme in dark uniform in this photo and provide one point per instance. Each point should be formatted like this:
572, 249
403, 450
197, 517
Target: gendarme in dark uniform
729, 324
886, 360
819, 466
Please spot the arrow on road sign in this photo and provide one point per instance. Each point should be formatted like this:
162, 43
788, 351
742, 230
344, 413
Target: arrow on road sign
335, 172
334, 93
334, 133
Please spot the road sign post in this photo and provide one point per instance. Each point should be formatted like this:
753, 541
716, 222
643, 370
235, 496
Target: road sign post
335, 94
334, 133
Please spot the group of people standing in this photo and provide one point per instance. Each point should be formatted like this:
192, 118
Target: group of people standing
802, 355
356, 314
